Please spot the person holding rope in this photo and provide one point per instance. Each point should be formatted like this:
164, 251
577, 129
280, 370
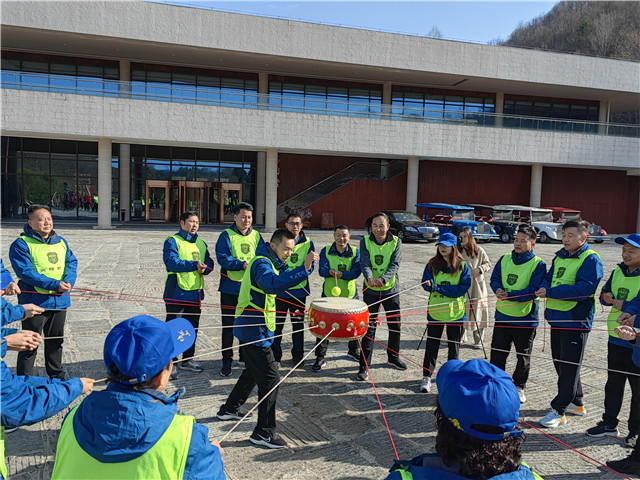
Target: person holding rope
187, 260
339, 266
132, 429
448, 278
46, 269
267, 276
294, 300
620, 290
235, 248
517, 276
569, 287
477, 434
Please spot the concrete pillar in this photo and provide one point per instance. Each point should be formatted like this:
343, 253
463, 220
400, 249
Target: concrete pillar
104, 183
499, 108
271, 190
124, 169
386, 99
603, 116
413, 169
125, 76
263, 90
535, 191
260, 188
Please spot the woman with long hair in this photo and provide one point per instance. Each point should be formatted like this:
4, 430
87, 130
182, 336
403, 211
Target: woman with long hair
447, 278
478, 295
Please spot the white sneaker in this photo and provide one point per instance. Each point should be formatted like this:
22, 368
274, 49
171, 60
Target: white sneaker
523, 397
425, 385
553, 419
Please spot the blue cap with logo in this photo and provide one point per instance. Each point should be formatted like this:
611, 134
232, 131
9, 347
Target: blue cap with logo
475, 393
143, 345
633, 239
448, 240
6, 276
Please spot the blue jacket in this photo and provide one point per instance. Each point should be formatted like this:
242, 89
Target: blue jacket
306, 290
119, 424
524, 295
10, 313
263, 277
352, 274
626, 305
228, 262
587, 279
452, 291
172, 292
29, 278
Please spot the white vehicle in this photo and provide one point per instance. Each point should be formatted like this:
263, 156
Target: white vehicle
539, 218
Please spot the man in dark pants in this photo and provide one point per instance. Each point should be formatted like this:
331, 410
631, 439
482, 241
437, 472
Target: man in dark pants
46, 267
255, 323
380, 257
569, 287
187, 260
294, 300
235, 248
517, 276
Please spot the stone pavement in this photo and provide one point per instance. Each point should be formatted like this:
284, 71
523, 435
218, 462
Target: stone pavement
333, 424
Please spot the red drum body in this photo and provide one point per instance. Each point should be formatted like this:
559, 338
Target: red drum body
346, 318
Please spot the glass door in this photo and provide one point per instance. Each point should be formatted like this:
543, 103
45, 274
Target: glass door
231, 196
157, 201
194, 196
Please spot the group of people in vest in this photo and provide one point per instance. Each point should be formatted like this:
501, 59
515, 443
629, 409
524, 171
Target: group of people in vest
134, 425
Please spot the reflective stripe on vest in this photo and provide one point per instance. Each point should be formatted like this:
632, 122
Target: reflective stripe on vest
446, 309
564, 273
380, 258
192, 252
165, 460
514, 278
49, 259
404, 475
268, 310
243, 248
341, 264
3, 464
622, 288
297, 258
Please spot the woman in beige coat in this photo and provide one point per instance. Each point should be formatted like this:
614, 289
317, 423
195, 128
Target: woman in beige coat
477, 302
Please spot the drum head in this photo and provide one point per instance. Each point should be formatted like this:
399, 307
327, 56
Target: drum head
339, 305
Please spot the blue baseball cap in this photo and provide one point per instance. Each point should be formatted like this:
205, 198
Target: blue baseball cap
633, 239
6, 278
142, 346
477, 393
448, 240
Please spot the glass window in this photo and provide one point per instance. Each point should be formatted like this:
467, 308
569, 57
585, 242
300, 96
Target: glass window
37, 67
111, 73
62, 69
89, 71
88, 169
183, 170
62, 164
10, 64
64, 196
36, 189
157, 171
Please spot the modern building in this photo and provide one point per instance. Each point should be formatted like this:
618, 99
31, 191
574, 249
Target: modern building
139, 110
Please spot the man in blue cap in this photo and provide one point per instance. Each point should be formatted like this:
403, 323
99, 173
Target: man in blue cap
132, 429
477, 413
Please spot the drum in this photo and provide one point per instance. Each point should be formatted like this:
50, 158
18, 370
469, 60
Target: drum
347, 317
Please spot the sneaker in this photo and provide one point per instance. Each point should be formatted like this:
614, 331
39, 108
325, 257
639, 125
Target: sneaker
602, 430
296, 360
362, 376
320, 363
574, 409
523, 397
224, 414
354, 356
397, 363
241, 363
191, 366
225, 371
630, 441
272, 441
553, 419
278, 365
630, 464
174, 373
425, 385
10, 429
477, 346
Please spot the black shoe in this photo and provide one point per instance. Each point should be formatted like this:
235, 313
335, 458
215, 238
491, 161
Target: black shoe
355, 356
397, 363
272, 441
320, 363
602, 430
298, 359
225, 371
10, 429
174, 374
224, 414
191, 366
626, 465
362, 376
631, 439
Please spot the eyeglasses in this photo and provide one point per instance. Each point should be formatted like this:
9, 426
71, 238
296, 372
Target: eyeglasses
295, 224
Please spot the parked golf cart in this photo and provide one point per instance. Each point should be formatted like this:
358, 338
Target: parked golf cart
451, 218
501, 219
539, 218
562, 215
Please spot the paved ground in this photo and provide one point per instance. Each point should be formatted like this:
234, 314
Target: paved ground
332, 423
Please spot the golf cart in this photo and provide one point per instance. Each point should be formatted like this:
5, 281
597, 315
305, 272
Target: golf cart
451, 218
562, 215
539, 218
501, 219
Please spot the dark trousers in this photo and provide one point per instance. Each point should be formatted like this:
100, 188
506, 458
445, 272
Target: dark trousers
434, 334
49, 324
392, 306
321, 350
568, 345
619, 358
522, 338
261, 370
297, 324
228, 310
191, 313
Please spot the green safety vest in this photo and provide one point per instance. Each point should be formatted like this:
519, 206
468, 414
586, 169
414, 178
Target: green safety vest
268, 310
341, 264
3, 464
514, 278
622, 288
165, 460
194, 252
564, 273
447, 309
406, 475
243, 248
380, 258
49, 259
297, 258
